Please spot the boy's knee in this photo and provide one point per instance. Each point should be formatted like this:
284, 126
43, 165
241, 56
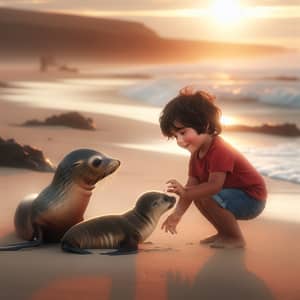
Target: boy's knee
202, 202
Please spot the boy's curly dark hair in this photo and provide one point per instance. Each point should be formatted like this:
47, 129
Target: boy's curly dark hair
195, 110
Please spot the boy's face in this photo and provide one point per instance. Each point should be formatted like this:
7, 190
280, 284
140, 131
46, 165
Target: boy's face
189, 139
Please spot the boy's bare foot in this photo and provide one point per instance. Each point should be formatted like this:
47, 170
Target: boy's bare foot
228, 243
210, 239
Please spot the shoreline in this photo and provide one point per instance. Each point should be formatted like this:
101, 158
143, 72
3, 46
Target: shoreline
134, 143
90, 95
171, 267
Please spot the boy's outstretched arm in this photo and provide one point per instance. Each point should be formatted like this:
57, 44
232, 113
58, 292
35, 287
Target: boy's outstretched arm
183, 204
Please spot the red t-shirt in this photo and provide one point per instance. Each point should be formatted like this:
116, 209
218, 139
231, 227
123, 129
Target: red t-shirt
240, 174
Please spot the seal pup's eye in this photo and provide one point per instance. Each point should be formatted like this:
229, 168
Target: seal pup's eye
95, 161
155, 203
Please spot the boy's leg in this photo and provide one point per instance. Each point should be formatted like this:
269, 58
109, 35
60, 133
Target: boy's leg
225, 223
204, 212
233, 236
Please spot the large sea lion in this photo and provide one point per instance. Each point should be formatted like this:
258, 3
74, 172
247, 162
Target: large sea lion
123, 232
47, 216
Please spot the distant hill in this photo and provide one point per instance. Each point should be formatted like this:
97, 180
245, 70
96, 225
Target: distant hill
29, 34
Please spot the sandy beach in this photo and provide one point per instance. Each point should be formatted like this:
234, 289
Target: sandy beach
170, 267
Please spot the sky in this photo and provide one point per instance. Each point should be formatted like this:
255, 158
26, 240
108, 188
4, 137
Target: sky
268, 22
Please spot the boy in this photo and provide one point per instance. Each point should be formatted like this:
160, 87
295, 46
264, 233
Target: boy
223, 185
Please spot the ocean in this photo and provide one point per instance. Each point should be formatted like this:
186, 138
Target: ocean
249, 92
273, 85
265, 91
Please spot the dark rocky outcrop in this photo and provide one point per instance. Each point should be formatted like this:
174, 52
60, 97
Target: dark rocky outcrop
286, 129
13, 154
70, 119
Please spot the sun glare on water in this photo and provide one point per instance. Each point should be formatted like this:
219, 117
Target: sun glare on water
225, 120
226, 12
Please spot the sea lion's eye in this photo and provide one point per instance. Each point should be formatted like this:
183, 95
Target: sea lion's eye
95, 161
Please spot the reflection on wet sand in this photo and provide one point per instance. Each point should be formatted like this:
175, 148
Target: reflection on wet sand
66, 276
224, 276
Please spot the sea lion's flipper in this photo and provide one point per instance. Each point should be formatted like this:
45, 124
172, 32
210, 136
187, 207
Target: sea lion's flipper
68, 248
23, 218
18, 246
37, 241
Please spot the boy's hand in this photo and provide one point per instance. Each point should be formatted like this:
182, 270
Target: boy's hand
171, 222
173, 186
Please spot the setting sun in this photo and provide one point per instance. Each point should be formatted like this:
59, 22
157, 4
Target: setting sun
226, 12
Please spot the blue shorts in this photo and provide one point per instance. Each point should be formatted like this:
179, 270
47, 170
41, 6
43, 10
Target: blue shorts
242, 205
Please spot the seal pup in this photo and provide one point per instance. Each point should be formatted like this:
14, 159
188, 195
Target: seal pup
123, 232
47, 216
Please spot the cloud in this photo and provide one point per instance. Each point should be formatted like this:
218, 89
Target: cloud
158, 8
259, 12
134, 4
105, 4
270, 2
30, 4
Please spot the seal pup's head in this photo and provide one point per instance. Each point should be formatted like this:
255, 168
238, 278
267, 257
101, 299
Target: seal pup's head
153, 204
85, 167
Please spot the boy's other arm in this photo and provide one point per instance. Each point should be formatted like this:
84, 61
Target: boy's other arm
207, 189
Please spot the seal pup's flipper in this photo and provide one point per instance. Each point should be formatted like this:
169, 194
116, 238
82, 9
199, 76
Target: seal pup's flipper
68, 248
37, 241
128, 246
121, 252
